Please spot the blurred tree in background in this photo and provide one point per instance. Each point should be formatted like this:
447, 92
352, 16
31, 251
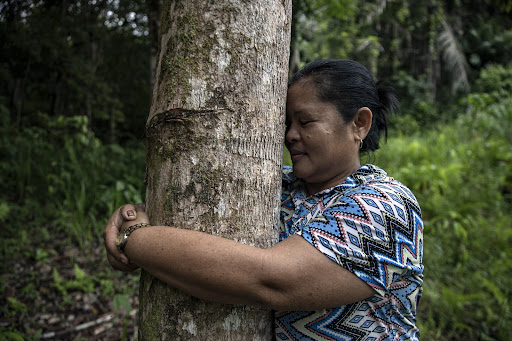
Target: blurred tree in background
92, 58
429, 50
76, 58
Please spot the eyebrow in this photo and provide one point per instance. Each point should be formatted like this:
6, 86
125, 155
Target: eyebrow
301, 112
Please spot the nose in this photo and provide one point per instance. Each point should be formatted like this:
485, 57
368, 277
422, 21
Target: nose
292, 135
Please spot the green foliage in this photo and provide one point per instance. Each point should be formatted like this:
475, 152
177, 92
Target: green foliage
423, 48
416, 109
495, 80
461, 174
9, 335
76, 58
43, 256
60, 180
60, 184
122, 303
59, 174
81, 282
4, 211
325, 29
15, 306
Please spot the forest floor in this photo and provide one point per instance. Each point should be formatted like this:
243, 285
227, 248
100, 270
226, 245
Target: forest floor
52, 289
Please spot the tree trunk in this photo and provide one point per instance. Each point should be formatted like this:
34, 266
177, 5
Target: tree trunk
431, 55
154, 10
94, 62
18, 96
294, 63
214, 149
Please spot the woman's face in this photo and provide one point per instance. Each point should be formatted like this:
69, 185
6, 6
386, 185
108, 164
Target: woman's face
324, 149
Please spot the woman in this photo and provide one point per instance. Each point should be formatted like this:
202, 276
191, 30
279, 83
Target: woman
348, 264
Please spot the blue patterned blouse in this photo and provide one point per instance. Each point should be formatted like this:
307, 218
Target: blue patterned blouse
371, 225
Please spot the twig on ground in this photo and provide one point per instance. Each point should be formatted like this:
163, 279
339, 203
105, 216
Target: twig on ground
105, 318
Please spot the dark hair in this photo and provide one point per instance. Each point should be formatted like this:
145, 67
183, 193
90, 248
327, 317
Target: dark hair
350, 86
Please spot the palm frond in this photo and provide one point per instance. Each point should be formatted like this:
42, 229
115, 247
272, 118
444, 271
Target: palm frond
454, 57
378, 9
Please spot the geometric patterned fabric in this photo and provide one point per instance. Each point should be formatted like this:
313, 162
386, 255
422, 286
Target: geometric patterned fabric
371, 225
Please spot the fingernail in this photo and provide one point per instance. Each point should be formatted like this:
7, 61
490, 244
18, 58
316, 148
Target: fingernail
130, 213
124, 260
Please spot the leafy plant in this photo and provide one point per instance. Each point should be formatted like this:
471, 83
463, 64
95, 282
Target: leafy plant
81, 282
77, 182
15, 306
10, 335
122, 303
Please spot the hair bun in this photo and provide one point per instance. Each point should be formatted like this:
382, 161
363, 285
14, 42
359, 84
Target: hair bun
388, 99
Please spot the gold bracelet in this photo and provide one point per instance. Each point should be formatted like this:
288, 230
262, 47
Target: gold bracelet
122, 237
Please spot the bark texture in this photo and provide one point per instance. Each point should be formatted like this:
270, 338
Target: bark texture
214, 149
154, 10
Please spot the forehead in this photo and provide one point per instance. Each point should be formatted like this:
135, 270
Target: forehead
303, 103
301, 93
304, 84
302, 96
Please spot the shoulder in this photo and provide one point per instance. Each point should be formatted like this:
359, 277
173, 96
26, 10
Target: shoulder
364, 225
372, 181
368, 200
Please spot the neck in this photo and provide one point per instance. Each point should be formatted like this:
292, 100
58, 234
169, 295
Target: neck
338, 179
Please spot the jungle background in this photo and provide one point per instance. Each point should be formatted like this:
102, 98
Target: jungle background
74, 96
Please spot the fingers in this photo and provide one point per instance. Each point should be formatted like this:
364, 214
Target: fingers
117, 259
129, 212
141, 217
116, 265
110, 234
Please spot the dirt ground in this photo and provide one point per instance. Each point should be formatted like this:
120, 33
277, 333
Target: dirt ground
61, 291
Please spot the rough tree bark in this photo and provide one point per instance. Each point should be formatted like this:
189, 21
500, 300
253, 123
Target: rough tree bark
214, 149
154, 10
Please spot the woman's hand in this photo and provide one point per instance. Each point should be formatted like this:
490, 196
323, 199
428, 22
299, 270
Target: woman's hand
123, 217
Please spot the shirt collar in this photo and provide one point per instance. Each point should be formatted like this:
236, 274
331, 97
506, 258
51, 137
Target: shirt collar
363, 174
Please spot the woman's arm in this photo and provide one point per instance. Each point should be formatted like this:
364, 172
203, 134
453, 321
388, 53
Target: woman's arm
292, 275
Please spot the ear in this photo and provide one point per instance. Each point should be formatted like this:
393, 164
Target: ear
362, 122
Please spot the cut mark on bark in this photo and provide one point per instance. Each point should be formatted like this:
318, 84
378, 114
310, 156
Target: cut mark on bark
176, 115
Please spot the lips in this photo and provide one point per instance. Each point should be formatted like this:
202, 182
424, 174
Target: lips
296, 154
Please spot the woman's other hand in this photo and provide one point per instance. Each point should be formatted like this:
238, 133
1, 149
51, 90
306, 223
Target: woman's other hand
123, 217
